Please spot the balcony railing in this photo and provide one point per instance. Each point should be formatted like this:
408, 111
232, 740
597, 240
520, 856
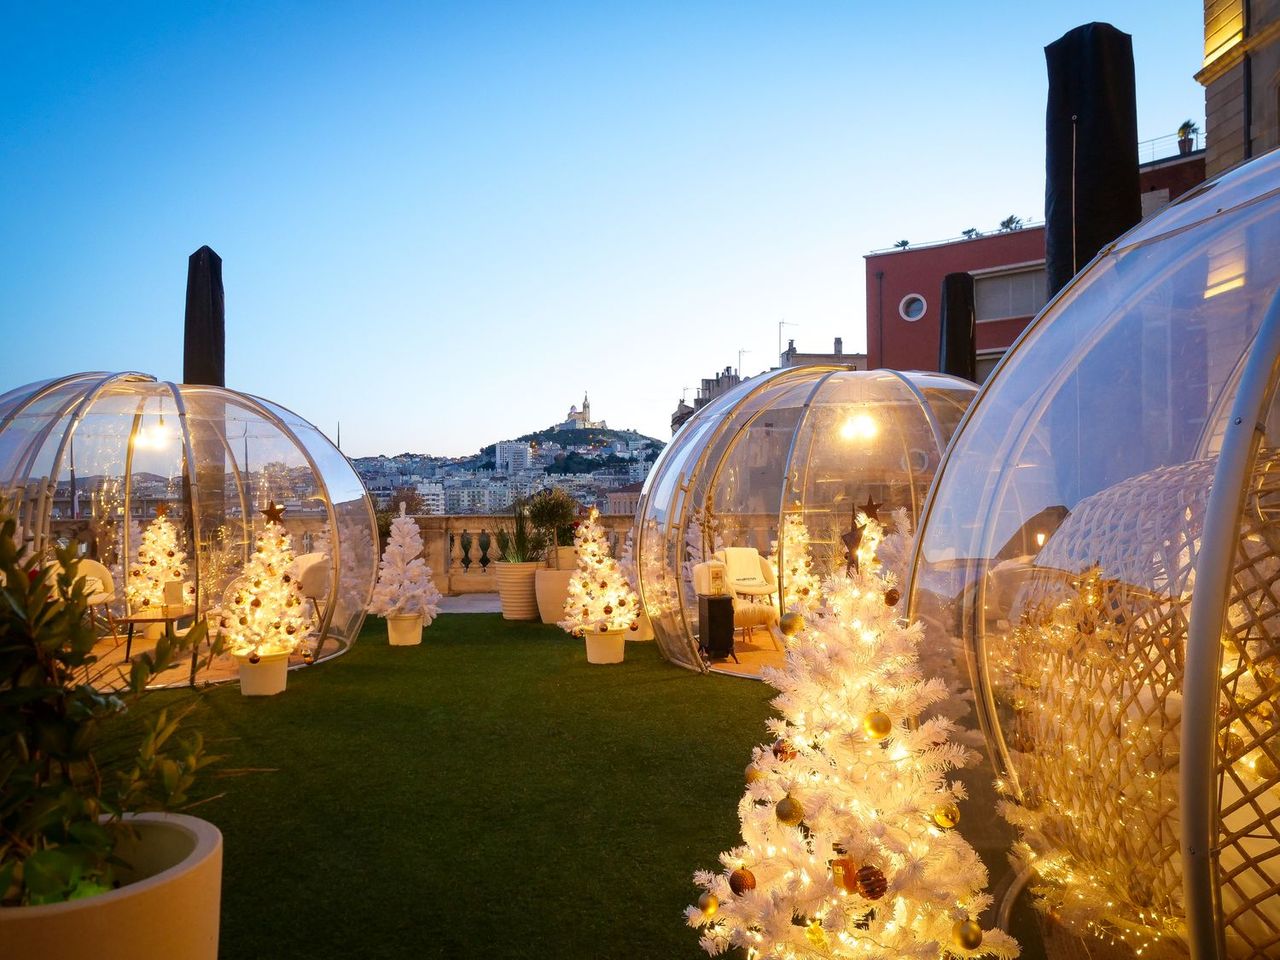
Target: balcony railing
461, 549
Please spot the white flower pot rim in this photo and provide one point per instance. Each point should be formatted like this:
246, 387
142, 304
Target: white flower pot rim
206, 837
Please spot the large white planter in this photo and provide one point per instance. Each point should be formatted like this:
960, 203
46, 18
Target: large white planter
516, 589
404, 630
552, 590
168, 907
607, 647
265, 678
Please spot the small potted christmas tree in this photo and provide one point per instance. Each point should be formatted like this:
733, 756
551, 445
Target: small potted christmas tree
264, 616
405, 594
159, 561
601, 607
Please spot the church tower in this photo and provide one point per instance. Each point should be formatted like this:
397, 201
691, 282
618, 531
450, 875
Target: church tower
586, 410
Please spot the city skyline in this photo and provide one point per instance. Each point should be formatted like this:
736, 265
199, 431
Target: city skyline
440, 226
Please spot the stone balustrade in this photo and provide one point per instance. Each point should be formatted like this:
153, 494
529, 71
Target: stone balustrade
461, 549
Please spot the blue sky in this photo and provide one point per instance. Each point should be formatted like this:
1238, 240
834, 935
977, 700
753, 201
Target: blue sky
441, 223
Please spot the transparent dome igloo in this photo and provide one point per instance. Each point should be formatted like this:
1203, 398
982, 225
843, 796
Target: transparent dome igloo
794, 445
1103, 543
91, 458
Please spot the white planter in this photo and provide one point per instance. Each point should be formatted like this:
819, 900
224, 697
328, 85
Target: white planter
566, 558
265, 678
552, 589
404, 630
645, 632
607, 647
516, 590
168, 907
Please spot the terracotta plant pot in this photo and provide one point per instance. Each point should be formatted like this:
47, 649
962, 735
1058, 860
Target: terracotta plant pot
552, 589
168, 907
607, 647
404, 630
516, 589
265, 678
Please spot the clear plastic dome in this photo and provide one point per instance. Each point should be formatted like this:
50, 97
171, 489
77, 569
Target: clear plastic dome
92, 458
1102, 545
803, 443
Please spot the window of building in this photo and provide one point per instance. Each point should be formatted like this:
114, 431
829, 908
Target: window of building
1021, 293
986, 362
912, 307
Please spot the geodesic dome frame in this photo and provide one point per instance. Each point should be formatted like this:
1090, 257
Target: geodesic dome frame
1102, 545
90, 458
802, 442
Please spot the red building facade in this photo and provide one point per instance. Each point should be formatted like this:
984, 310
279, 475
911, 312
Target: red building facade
904, 286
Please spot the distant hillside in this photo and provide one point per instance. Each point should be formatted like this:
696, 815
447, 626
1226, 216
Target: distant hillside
574, 438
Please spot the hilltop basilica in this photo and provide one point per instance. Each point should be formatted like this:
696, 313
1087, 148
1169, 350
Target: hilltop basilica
581, 419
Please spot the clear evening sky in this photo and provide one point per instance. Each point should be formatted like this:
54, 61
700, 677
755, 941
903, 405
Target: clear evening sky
441, 223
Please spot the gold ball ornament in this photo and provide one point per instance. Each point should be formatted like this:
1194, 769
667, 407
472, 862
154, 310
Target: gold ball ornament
966, 934
307, 658
741, 880
709, 904
877, 725
789, 810
791, 624
945, 815
1264, 767
815, 934
753, 773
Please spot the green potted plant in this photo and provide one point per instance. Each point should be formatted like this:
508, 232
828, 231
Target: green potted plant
92, 858
552, 512
520, 553
1187, 131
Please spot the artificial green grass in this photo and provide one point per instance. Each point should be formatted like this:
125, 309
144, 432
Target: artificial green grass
487, 794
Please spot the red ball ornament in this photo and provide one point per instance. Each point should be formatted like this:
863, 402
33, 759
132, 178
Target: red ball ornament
170, 553
871, 882
634, 626
892, 596
153, 563
146, 601
291, 629
255, 602
254, 658
608, 609
308, 658
742, 880
287, 578
784, 751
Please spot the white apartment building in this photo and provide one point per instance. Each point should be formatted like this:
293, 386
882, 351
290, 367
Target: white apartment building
511, 457
432, 494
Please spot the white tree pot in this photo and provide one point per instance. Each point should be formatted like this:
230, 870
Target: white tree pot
607, 647
552, 589
168, 907
404, 630
516, 590
265, 678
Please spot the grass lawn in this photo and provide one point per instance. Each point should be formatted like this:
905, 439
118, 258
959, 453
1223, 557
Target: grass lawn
487, 794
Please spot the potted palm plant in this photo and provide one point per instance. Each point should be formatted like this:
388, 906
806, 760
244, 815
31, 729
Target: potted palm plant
93, 857
1187, 136
552, 512
520, 551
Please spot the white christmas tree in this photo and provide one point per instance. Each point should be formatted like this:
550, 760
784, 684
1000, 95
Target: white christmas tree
264, 612
159, 561
793, 565
405, 587
600, 598
848, 820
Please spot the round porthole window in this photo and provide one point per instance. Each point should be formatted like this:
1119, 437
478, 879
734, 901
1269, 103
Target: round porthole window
912, 307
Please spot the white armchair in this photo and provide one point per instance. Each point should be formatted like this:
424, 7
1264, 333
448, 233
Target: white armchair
751, 580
